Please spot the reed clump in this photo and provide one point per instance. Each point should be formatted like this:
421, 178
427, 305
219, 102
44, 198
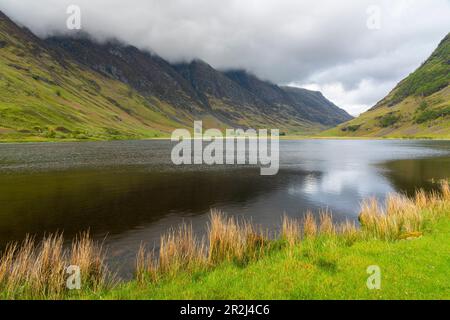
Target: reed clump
291, 231
326, 225
402, 215
309, 226
233, 240
349, 232
228, 240
180, 250
146, 266
89, 256
37, 270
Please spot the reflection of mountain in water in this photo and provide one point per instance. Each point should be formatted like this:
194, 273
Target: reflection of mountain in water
409, 175
115, 201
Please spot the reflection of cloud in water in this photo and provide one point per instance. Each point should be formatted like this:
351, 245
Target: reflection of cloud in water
342, 190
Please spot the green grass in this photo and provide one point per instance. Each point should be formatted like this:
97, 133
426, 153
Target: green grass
325, 269
408, 119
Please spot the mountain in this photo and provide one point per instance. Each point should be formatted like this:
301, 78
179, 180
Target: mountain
419, 106
146, 73
316, 107
47, 95
77, 88
198, 87
309, 105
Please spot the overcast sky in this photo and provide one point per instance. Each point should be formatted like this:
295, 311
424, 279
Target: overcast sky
338, 47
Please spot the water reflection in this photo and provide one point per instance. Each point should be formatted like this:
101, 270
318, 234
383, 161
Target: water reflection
408, 175
131, 192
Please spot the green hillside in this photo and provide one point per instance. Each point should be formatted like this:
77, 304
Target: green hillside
418, 107
45, 96
74, 88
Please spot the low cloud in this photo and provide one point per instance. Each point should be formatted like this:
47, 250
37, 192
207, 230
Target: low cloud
323, 44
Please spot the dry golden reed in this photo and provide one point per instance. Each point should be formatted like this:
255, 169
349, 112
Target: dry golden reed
445, 189
146, 266
309, 225
233, 240
33, 270
290, 230
349, 232
401, 215
326, 225
90, 258
180, 250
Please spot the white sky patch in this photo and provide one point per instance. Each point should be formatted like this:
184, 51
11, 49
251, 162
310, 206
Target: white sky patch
322, 42
353, 99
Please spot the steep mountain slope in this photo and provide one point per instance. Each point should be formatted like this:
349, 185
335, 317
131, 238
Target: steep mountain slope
146, 73
316, 107
309, 105
44, 95
199, 88
419, 106
229, 97
75, 88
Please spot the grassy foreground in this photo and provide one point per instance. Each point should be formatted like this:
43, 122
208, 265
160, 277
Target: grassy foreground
322, 270
408, 239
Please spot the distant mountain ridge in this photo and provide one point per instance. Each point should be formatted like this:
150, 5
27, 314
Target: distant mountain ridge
194, 84
74, 88
419, 106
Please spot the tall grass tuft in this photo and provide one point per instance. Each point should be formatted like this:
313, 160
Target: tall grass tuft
33, 270
146, 266
231, 240
421, 199
180, 250
445, 190
309, 225
326, 225
90, 258
349, 232
290, 231
402, 216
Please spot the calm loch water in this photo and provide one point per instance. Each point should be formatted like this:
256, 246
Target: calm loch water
129, 192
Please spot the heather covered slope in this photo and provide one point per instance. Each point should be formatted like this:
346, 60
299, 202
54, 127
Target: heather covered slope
419, 106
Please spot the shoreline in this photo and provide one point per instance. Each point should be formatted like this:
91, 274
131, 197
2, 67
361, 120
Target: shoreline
282, 138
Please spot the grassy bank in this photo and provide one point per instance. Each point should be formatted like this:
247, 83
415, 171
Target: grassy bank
408, 239
318, 270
